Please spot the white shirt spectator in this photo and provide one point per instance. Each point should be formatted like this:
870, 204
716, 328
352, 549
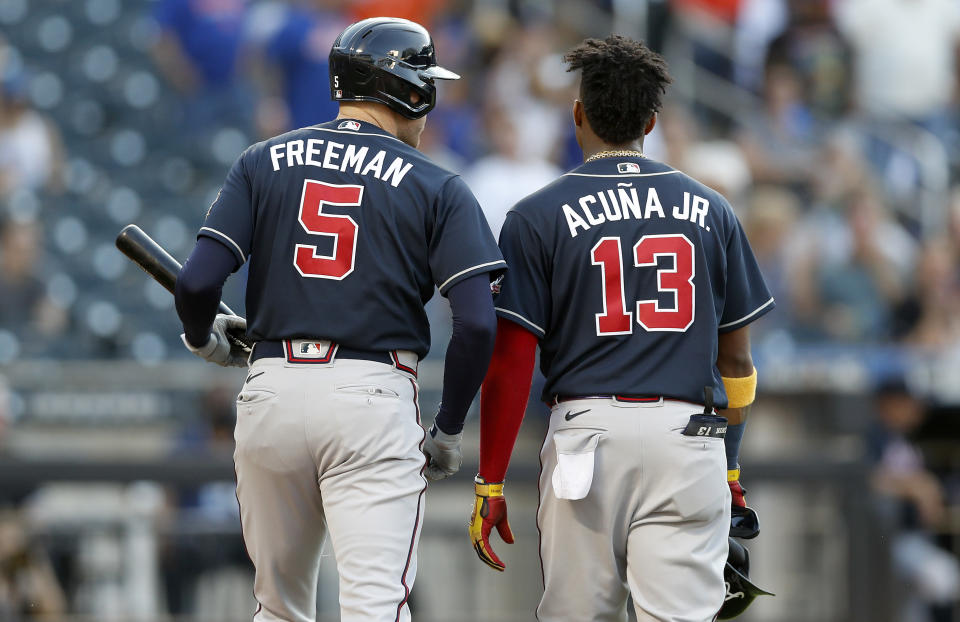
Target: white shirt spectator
26, 153
904, 51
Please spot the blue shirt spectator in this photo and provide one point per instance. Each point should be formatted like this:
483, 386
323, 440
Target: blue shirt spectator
210, 34
300, 48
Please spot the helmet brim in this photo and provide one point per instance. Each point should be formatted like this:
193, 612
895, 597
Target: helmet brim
437, 73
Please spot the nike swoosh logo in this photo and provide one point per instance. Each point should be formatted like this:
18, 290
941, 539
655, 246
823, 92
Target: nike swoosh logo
570, 416
252, 376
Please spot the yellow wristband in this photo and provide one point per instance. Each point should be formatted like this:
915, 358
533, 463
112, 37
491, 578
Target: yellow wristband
740, 391
483, 489
733, 475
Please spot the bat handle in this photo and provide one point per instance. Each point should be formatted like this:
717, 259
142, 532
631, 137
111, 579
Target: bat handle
236, 338
240, 339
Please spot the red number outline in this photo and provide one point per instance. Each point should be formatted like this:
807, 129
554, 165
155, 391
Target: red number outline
650, 309
306, 260
607, 265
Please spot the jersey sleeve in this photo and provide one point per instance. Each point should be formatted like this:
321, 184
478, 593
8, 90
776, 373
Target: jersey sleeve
747, 297
461, 244
230, 218
523, 297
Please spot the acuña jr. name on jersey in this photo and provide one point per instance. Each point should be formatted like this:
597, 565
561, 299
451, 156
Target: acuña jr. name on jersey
623, 203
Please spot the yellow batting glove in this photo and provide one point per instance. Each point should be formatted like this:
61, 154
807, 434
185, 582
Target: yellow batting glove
489, 511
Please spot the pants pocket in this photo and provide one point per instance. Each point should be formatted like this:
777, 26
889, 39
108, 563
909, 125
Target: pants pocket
576, 449
367, 389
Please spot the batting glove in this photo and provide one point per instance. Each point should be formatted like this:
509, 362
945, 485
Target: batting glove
443, 453
744, 522
489, 511
218, 348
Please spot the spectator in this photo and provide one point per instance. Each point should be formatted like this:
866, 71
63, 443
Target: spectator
198, 52
914, 496
930, 316
30, 152
298, 48
29, 590
769, 223
505, 176
814, 48
780, 142
25, 308
905, 64
859, 292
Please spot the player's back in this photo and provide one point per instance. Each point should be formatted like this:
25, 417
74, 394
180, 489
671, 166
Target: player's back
639, 268
349, 233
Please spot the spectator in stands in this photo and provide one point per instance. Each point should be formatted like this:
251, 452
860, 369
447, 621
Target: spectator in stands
296, 51
859, 292
781, 143
25, 308
905, 63
506, 175
29, 590
914, 499
769, 223
814, 48
930, 316
30, 151
198, 51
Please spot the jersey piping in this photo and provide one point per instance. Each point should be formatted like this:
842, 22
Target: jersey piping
748, 316
623, 174
522, 319
471, 269
243, 258
323, 129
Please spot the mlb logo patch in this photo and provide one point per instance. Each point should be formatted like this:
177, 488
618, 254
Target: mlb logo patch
349, 125
628, 167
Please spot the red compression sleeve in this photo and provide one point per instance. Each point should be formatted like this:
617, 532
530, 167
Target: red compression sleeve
503, 397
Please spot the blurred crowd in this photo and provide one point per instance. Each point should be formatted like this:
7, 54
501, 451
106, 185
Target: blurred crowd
813, 117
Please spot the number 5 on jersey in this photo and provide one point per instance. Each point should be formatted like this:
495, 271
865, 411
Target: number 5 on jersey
615, 319
342, 228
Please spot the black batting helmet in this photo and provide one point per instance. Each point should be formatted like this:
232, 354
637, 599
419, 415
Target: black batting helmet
386, 60
740, 591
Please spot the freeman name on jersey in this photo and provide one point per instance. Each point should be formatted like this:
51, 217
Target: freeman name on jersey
623, 203
310, 152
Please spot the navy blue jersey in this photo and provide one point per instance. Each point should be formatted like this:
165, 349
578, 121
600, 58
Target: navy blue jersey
348, 230
627, 270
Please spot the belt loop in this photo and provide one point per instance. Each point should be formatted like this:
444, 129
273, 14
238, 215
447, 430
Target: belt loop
399, 366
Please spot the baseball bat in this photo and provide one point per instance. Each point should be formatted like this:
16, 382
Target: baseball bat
142, 250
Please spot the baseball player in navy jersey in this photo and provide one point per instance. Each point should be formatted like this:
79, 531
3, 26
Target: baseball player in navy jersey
347, 229
638, 285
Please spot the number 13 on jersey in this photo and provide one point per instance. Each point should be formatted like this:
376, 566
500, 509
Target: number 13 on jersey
616, 319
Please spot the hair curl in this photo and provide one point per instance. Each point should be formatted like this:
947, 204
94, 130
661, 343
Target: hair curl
622, 83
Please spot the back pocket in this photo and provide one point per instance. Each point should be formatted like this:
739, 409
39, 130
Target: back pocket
575, 447
368, 390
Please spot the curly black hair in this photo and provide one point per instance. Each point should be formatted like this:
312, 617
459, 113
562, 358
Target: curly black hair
621, 85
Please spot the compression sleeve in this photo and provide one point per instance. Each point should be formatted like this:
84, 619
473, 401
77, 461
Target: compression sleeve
199, 286
503, 397
468, 354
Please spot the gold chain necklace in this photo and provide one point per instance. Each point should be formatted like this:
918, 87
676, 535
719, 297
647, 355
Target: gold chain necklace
620, 153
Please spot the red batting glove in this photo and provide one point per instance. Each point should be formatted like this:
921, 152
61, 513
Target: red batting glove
489, 511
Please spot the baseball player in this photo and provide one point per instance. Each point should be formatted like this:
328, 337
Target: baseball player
347, 229
638, 285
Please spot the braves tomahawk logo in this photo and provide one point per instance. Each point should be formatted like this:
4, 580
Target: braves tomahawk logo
731, 595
